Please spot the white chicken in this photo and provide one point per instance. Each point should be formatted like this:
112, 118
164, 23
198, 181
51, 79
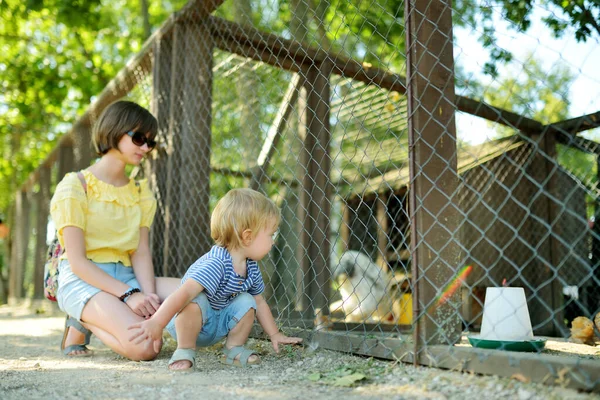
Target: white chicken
367, 291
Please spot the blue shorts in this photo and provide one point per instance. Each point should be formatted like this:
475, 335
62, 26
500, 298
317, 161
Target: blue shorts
216, 324
74, 293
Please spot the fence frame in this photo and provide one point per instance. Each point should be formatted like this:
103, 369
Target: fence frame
318, 65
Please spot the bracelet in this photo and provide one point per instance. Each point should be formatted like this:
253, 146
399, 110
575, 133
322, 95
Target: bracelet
129, 293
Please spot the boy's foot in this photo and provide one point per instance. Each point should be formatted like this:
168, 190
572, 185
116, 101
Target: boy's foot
181, 364
240, 356
182, 359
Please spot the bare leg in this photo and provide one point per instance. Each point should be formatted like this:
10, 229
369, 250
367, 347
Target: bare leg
108, 318
75, 337
239, 334
166, 286
187, 325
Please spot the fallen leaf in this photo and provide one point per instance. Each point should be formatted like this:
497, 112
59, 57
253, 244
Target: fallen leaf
348, 380
520, 378
314, 377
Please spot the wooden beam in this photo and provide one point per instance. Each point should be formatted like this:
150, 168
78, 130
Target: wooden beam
291, 55
316, 191
433, 169
578, 124
281, 119
196, 125
43, 209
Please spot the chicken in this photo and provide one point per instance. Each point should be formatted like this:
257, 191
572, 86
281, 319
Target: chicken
367, 291
582, 331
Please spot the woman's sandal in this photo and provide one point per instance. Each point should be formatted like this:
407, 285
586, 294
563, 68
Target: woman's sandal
244, 353
71, 322
183, 354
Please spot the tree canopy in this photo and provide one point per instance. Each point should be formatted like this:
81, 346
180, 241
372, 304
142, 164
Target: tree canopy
56, 55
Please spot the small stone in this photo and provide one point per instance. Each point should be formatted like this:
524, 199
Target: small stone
524, 394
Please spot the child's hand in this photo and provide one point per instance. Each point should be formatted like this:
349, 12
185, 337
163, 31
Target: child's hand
146, 330
280, 338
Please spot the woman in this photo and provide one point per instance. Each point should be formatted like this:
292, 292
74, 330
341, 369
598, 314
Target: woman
106, 277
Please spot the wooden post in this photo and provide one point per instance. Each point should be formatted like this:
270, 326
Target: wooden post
545, 306
316, 191
43, 207
65, 159
172, 265
381, 202
82, 144
161, 108
432, 140
196, 121
20, 246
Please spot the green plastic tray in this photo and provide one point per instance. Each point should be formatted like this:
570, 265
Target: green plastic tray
535, 345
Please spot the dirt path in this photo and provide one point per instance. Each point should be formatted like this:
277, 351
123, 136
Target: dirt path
31, 367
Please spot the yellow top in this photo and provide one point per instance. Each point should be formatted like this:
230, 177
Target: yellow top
110, 216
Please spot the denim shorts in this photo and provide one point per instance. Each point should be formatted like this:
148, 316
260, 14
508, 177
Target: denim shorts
74, 293
216, 324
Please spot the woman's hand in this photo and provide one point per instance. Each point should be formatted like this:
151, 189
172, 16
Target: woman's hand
143, 304
147, 330
279, 338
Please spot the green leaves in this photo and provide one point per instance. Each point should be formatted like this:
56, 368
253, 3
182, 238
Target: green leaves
342, 377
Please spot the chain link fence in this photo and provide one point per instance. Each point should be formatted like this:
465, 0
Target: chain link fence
394, 226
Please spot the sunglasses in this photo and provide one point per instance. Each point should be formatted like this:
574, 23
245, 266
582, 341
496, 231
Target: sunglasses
139, 139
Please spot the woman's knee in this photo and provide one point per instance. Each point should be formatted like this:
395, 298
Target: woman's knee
142, 352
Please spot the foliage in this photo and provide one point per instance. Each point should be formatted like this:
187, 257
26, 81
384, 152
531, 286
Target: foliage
577, 16
55, 55
534, 92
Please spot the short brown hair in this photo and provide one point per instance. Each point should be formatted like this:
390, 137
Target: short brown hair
119, 118
239, 210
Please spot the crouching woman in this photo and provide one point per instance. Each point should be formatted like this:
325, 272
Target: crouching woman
106, 278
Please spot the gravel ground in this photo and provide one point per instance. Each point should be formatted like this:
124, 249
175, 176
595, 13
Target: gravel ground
31, 367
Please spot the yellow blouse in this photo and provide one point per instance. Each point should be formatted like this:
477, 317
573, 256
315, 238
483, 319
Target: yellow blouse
110, 216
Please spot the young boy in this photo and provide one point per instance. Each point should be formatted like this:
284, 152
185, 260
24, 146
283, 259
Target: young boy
221, 292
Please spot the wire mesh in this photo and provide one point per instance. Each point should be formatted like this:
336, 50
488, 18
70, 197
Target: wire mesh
393, 223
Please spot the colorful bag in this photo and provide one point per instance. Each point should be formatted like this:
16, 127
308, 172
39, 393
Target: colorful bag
54, 252
51, 270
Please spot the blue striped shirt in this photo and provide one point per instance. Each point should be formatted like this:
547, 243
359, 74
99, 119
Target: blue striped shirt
214, 271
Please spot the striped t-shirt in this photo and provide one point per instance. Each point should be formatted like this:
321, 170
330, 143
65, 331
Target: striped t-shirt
214, 271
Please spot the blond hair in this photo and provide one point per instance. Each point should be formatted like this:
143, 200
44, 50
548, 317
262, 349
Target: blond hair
240, 210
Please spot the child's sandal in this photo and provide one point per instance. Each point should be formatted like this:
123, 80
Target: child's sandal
244, 353
181, 355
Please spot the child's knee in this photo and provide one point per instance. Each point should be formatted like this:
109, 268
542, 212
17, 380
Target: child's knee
247, 301
190, 315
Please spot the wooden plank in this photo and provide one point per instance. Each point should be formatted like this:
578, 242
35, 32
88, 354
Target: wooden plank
576, 125
65, 159
271, 141
572, 372
433, 168
43, 209
161, 108
196, 124
171, 237
382, 231
316, 191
